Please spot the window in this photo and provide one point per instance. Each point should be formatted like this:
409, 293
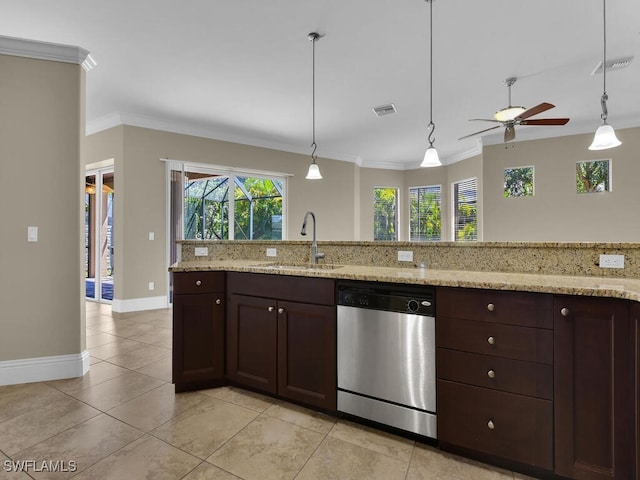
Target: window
214, 203
593, 176
385, 213
465, 210
518, 182
425, 221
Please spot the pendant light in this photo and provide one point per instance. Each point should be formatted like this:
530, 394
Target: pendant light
605, 136
314, 171
431, 158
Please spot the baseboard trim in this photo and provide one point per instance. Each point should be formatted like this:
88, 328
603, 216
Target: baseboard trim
43, 369
139, 304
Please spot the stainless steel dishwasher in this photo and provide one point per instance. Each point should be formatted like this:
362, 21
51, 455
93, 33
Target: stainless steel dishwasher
386, 354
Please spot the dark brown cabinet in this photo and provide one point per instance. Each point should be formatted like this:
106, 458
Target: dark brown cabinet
198, 330
494, 366
281, 336
592, 391
635, 382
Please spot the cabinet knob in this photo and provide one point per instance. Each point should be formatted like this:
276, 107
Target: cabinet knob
271, 309
491, 374
491, 425
564, 312
281, 310
491, 341
218, 301
198, 282
491, 307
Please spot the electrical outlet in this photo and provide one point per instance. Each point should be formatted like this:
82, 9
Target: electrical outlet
405, 255
152, 286
272, 252
201, 251
611, 261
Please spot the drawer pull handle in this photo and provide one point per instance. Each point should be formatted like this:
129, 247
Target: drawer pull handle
491, 425
218, 301
491, 307
491, 374
271, 309
281, 310
564, 312
198, 282
491, 341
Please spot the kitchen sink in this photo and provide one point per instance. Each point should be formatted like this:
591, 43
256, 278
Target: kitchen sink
296, 266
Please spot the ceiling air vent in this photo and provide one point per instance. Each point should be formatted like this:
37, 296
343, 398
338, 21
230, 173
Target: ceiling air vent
614, 64
385, 109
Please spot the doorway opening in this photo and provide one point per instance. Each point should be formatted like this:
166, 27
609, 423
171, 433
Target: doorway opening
98, 229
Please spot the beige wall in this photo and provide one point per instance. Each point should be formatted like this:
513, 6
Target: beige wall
140, 195
41, 291
556, 212
343, 201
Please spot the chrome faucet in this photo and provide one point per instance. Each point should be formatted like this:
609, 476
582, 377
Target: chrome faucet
315, 255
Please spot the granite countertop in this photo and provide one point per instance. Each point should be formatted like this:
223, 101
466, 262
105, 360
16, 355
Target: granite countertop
623, 288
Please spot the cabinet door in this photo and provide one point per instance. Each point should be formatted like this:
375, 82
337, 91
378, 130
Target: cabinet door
307, 353
591, 388
198, 340
252, 342
635, 349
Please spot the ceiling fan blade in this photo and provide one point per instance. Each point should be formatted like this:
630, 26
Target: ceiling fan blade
543, 107
545, 121
478, 133
484, 120
509, 134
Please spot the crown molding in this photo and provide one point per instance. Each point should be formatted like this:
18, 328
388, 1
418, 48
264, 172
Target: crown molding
19, 47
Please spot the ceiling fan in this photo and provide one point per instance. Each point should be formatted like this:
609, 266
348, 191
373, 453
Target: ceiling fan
511, 116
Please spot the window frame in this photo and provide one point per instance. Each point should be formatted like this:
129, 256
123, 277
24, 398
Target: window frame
396, 213
454, 210
439, 200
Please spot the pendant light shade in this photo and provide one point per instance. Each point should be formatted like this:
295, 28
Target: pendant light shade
431, 158
314, 170
605, 136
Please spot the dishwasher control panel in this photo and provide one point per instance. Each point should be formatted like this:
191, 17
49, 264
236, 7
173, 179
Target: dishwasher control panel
391, 297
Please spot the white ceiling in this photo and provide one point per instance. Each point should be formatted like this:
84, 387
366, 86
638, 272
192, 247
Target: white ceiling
240, 70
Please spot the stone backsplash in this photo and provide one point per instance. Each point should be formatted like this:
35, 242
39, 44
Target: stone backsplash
547, 258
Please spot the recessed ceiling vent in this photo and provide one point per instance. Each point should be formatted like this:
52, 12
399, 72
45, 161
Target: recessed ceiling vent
384, 109
614, 64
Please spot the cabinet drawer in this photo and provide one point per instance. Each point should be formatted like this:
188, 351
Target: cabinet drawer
198, 282
513, 308
508, 341
514, 427
318, 291
515, 376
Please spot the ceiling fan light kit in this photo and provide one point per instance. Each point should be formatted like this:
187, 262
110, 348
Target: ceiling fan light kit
511, 116
431, 158
314, 170
605, 136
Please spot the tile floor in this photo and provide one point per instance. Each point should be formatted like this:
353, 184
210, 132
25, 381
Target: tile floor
122, 420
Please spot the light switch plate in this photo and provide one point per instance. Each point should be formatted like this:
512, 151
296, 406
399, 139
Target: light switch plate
32, 234
152, 236
201, 251
152, 286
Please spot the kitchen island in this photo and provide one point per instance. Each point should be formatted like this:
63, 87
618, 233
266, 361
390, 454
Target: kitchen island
554, 394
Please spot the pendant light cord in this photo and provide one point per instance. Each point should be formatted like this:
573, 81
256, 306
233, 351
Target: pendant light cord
605, 97
314, 37
431, 125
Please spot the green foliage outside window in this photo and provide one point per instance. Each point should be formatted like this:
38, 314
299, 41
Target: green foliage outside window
592, 176
518, 182
385, 211
425, 217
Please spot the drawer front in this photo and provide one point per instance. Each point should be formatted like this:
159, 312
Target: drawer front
513, 427
319, 291
508, 341
513, 308
515, 376
198, 282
